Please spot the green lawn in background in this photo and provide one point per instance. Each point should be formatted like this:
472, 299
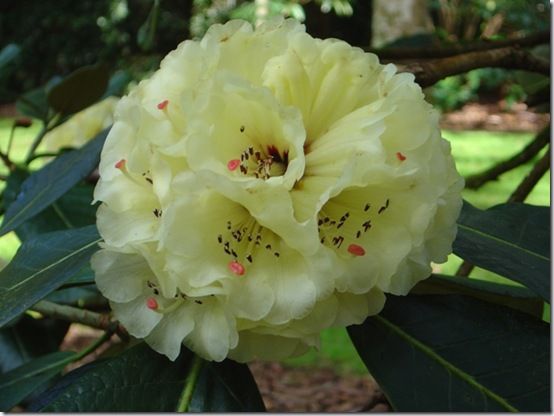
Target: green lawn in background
476, 151
473, 151
22, 139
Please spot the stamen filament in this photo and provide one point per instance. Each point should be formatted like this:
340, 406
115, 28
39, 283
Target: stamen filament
122, 166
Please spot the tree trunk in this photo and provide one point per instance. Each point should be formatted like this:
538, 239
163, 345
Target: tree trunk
393, 19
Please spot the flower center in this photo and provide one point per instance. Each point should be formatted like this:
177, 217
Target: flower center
343, 226
262, 164
243, 242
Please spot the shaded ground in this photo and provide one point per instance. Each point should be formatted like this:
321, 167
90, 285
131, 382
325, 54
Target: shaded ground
316, 390
495, 116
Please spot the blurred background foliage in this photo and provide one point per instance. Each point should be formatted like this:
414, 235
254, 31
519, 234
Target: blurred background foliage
135, 34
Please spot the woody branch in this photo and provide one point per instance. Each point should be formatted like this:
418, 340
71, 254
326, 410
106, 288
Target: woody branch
431, 71
457, 49
85, 317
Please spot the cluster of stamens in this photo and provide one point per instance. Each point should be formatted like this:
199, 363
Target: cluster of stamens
261, 166
329, 227
241, 243
252, 162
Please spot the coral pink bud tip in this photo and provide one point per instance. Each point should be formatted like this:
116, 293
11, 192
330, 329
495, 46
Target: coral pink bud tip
400, 156
356, 250
152, 303
120, 164
233, 164
236, 268
163, 105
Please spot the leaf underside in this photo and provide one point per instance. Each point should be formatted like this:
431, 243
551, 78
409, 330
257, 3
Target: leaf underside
453, 353
48, 184
20, 382
512, 240
41, 265
141, 380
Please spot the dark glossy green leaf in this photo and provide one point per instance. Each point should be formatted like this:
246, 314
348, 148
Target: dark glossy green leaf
147, 32
117, 84
17, 384
516, 297
138, 380
141, 380
29, 338
48, 184
512, 240
8, 54
226, 387
82, 296
34, 103
72, 210
79, 90
446, 353
531, 81
41, 265
82, 277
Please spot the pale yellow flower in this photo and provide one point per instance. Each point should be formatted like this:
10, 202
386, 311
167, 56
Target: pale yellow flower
82, 127
264, 185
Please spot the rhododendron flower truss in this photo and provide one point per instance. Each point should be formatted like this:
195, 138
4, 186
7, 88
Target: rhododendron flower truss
82, 126
264, 185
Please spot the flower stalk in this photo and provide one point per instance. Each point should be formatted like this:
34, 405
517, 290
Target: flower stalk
47, 126
94, 345
190, 384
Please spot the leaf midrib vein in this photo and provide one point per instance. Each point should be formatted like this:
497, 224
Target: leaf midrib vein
452, 368
504, 242
54, 264
62, 361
